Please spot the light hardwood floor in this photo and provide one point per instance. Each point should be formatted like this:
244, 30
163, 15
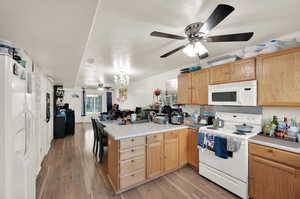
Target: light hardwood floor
71, 171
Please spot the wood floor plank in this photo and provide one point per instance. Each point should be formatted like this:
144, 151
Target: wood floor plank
74, 172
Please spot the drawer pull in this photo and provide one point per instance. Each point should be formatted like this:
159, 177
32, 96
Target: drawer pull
132, 140
132, 161
270, 150
132, 150
132, 175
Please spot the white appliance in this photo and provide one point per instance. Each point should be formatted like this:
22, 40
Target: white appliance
233, 94
17, 139
231, 173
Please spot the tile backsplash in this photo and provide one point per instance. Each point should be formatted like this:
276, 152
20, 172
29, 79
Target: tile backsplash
280, 112
190, 109
229, 109
267, 112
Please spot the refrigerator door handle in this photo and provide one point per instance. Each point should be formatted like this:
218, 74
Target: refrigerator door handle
26, 131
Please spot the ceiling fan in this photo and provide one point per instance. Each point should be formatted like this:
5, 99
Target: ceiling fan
101, 87
197, 34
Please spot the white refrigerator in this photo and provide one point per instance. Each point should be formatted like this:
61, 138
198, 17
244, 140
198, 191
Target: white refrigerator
17, 137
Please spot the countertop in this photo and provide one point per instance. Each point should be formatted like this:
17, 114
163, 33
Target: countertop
276, 143
134, 130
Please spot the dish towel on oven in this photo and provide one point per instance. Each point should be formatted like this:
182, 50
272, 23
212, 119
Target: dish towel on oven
221, 147
201, 140
210, 142
233, 145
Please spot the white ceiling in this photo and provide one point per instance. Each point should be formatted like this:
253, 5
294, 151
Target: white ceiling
53, 32
120, 35
59, 37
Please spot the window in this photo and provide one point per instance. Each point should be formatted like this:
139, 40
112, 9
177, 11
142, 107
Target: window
93, 104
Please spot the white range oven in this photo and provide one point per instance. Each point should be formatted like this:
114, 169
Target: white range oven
230, 173
233, 94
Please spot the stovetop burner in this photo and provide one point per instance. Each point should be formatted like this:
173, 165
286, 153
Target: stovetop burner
239, 133
212, 128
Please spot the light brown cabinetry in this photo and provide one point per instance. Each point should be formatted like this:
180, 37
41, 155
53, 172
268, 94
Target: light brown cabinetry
219, 74
241, 70
274, 173
126, 162
193, 87
278, 76
183, 146
171, 151
113, 162
134, 161
200, 80
193, 153
184, 88
155, 155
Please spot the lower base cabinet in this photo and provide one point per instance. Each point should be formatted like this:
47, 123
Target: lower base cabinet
274, 173
134, 161
155, 155
193, 153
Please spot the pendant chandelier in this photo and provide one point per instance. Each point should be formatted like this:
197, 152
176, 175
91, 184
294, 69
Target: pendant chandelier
122, 79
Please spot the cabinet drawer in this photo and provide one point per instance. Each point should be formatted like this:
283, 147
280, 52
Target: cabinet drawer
132, 165
131, 153
154, 138
285, 157
131, 142
171, 135
134, 178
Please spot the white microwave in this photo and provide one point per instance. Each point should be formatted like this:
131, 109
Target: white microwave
233, 94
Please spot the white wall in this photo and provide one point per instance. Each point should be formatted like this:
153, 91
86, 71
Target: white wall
74, 103
140, 93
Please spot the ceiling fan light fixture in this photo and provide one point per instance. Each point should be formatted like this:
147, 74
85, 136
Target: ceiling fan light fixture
100, 89
189, 50
195, 49
199, 48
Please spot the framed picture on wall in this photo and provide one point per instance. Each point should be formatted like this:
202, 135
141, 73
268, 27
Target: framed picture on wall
47, 107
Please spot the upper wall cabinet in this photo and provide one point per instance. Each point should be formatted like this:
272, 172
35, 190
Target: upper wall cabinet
184, 88
200, 80
219, 74
241, 70
278, 76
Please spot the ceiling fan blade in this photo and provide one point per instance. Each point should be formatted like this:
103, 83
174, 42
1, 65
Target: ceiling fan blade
166, 35
173, 51
231, 37
218, 15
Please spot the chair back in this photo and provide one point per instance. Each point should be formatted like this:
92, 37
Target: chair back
94, 127
100, 129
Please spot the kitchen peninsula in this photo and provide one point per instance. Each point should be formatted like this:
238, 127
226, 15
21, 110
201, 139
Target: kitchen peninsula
138, 153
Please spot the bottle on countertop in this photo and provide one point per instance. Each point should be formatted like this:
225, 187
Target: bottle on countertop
274, 126
275, 121
285, 120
